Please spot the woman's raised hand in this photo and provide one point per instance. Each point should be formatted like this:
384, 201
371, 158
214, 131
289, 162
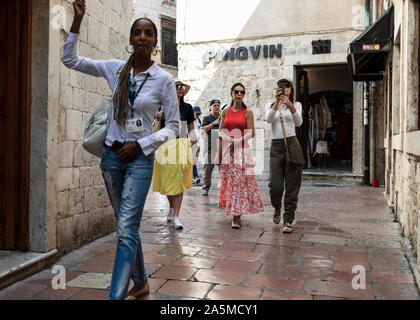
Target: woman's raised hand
79, 7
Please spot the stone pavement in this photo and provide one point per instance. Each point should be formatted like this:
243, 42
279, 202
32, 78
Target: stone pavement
338, 226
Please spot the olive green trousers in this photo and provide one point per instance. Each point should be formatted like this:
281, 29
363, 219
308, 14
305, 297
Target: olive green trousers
284, 177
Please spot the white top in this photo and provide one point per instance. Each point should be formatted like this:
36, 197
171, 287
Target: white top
290, 120
197, 132
159, 90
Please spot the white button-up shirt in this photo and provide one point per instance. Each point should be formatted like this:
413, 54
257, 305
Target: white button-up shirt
159, 90
290, 120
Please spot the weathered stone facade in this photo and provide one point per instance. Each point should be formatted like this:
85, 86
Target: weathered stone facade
156, 10
213, 79
402, 129
70, 206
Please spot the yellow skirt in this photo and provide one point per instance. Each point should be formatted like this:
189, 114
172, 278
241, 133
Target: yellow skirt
173, 167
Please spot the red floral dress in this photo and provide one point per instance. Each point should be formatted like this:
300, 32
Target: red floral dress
238, 193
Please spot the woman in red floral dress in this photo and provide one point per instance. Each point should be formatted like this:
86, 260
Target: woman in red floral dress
238, 193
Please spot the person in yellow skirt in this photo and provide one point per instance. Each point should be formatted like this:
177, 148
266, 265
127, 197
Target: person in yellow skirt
173, 168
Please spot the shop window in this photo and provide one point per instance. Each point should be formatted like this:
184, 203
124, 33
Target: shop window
169, 47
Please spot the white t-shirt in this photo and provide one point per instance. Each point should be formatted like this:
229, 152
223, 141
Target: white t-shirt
197, 132
290, 120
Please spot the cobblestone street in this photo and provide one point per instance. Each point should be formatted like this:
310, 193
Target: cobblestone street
338, 226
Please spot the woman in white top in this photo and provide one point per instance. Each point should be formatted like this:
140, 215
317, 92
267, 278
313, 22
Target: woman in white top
283, 174
140, 89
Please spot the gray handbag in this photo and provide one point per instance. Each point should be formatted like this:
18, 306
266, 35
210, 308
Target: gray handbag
97, 127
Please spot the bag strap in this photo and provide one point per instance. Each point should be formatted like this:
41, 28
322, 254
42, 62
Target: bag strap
117, 80
282, 128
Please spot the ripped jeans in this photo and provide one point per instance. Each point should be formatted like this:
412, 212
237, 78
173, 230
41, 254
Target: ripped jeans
127, 184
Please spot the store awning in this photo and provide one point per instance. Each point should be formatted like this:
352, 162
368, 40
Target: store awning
367, 53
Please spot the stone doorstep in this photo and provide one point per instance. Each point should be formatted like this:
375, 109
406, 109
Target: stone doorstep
331, 175
20, 265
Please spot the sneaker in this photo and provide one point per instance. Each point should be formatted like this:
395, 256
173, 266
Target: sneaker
177, 224
287, 228
197, 181
205, 192
170, 215
138, 291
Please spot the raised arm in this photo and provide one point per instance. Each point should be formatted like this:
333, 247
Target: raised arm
79, 7
107, 69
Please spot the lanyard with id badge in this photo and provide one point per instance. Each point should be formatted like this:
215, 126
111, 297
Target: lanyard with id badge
134, 124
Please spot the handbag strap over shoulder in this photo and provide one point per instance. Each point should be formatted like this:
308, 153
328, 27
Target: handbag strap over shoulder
282, 128
117, 80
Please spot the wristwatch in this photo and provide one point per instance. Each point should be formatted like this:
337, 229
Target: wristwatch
139, 150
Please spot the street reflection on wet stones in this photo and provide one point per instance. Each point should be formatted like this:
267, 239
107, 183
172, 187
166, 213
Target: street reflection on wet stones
337, 228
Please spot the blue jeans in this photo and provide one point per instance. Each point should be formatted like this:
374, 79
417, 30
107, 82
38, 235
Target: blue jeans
127, 184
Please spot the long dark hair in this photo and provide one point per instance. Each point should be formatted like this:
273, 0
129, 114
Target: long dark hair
231, 90
120, 99
292, 90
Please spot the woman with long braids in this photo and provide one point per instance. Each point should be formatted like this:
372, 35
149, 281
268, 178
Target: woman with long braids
141, 88
238, 193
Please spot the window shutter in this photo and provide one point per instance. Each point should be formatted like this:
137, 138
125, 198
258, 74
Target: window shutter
169, 49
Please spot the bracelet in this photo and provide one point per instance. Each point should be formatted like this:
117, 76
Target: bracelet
139, 150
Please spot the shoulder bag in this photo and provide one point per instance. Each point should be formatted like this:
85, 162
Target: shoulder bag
97, 126
294, 151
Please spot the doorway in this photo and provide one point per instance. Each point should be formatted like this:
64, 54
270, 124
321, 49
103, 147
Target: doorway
15, 63
326, 135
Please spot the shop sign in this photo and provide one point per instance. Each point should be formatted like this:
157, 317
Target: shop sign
244, 53
371, 47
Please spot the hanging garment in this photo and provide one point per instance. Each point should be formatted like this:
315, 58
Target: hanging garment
311, 130
322, 118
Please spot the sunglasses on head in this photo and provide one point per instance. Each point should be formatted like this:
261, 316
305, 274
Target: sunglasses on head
286, 84
180, 86
241, 92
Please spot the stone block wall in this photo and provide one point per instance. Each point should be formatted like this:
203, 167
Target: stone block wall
402, 149
83, 208
213, 80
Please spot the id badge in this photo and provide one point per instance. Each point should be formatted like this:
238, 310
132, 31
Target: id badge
134, 125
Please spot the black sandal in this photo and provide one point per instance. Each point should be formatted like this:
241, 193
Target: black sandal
277, 217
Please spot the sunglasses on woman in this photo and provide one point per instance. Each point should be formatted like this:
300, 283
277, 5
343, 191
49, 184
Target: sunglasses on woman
180, 86
241, 92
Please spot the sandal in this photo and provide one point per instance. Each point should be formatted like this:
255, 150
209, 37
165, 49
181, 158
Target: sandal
236, 222
277, 216
287, 228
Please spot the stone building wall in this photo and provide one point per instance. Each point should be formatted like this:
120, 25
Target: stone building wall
155, 10
213, 79
83, 210
402, 148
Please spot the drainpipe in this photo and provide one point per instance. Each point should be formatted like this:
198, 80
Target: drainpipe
372, 135
366, 153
